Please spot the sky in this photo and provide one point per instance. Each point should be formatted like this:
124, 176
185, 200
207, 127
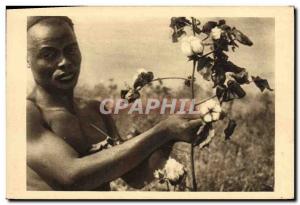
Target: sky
117, 46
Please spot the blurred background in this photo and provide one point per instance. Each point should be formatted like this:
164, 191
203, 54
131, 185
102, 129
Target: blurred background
116, 47
112, 52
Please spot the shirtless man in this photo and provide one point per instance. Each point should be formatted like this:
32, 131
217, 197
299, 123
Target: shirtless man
59, 135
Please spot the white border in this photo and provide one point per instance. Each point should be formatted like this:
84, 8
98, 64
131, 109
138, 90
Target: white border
92, 2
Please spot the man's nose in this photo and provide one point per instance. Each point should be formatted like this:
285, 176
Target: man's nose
64, 62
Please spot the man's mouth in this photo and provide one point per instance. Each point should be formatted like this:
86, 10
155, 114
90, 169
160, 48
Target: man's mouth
66, 77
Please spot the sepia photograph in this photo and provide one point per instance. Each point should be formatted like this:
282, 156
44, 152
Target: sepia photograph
167, 101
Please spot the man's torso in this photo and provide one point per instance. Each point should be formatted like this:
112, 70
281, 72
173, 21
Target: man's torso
79, 129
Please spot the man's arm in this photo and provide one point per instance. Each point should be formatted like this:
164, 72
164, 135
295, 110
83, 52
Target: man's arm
60, 166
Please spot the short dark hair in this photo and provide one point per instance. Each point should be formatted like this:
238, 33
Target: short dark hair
33, 20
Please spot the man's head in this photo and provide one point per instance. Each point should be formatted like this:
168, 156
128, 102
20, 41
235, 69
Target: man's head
52, 52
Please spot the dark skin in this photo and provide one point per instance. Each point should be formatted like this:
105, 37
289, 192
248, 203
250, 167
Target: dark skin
58, 133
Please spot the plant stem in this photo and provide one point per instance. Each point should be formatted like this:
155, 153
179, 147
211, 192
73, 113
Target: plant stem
206, 54
193, 26
194, 182
192, 147
193, 76
168, 186
169, 78
207, 99
166, 78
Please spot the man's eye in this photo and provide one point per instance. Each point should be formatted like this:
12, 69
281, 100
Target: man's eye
49, 54
71, 50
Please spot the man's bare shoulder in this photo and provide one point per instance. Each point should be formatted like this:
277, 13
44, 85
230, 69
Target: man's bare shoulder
32, 112
86, 103
34, 119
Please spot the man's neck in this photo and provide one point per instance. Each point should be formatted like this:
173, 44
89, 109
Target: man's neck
51, 98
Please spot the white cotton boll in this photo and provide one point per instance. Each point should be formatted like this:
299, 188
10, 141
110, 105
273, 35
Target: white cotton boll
189, 38
215, 116
203, 109
172, 175
206, 107
174, 170
216, 33
197, 46
211, 104
218, 108
185, 39
207, 118
192, 38
186, 48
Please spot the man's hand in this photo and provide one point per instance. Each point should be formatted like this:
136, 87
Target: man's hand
182, 128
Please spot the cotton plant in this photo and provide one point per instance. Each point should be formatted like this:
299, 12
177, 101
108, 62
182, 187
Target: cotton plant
191, 45
207, 49
210, 111
140, 79
216, 33
173, 173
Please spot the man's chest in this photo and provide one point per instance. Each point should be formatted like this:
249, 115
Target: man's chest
81, 129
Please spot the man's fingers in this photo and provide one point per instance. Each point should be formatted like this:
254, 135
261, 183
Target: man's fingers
195, 123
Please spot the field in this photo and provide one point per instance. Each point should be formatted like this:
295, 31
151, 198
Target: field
244, 163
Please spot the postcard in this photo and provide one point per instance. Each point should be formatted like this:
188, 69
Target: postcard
147, 103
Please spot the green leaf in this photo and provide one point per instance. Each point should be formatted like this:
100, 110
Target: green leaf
177, 34
261, 83
197, 30
179, 22
193, 57
224, 94
220, 90
241, 77
240, 37
218, 75
235, 88
208, 134
228, 66
131, 95
221, 22
202, 134
123, 93
143, 79
209, 26
204, 62
206, 72
229, 129
232, 91
222, 43
228, 96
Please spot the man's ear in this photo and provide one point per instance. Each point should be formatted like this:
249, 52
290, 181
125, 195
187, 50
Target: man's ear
28, 63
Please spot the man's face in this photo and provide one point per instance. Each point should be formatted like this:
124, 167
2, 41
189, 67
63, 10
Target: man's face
53, 55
